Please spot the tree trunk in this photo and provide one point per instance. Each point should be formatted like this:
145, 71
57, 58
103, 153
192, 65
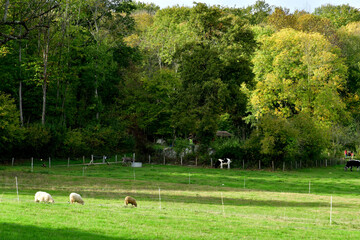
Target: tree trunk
45, 76
6, 10
20, 86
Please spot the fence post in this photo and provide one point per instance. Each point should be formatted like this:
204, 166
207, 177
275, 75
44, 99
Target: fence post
326, 163
12, 162
83, 160
49, 162
103, 159
116, 158
160, 198
133, 157
283, 166
330, 209
222, 202
211, 162
149, 159
17, 189
181, 160
259, 165
273, 167
32, 164
164, 159
68, 162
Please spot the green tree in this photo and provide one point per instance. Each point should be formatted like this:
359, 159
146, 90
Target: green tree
299, 72
349, 36
10, 130
340, 15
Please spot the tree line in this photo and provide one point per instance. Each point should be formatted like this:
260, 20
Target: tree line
107, 77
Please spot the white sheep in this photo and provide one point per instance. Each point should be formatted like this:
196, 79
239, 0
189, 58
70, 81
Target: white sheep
74, 197
43, 197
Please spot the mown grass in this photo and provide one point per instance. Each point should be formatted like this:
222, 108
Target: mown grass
273, 205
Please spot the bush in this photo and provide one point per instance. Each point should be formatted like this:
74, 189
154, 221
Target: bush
37, 137
229, 148
11, 133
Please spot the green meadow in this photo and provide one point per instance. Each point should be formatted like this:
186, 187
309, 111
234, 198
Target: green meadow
177, 202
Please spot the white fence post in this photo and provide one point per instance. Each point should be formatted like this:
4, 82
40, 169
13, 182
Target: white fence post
17, 189
222, 202
330, 209
160, 198
116, 158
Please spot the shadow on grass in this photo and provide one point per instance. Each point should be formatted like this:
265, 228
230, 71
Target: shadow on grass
16, 231
118, 199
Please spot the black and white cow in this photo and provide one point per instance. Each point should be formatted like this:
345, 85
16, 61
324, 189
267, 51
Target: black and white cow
221, 162
352, 163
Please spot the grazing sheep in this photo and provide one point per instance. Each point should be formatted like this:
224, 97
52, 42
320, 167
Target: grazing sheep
74, 197
43, 197
130, 200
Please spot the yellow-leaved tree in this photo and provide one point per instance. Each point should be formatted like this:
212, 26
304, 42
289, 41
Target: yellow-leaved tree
298, 72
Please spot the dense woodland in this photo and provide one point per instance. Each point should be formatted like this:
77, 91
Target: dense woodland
110, 76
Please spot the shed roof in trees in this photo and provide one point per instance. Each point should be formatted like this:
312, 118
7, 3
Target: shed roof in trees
223, 134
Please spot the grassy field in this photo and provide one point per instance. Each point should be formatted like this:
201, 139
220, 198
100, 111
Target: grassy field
196, 203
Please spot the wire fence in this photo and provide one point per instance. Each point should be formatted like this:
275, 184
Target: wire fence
164, 203
127, 160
